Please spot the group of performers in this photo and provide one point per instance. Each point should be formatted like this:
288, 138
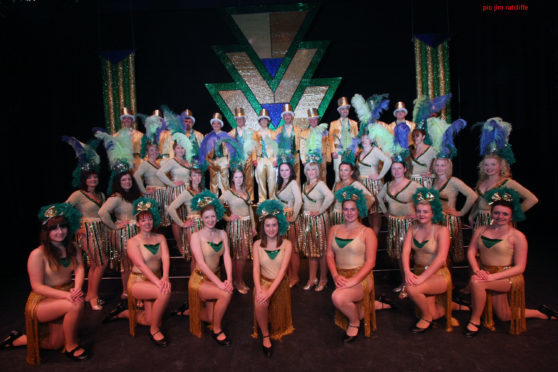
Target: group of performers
158, 179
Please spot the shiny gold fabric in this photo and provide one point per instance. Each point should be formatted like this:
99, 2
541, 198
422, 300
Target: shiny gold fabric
266, 177
219, 176
37, 331
368, 307
187, 233
455, 226
279, 310
196, 303
240, 235
397, 228
94, 236
516, 300
424, 181
444, 299
483, 219
160, 195
314, 235
336, 218
119, 239
374, 186
132, 301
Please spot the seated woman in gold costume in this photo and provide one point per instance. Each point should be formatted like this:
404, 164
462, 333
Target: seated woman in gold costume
497, 282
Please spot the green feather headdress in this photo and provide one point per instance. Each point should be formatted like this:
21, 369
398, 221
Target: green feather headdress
206, 197
185, 142
88, 159
274, 208
71, 214
237, 158
119, 152
508, 195
354, 194
314, 143
432, 196
285, 146
144, 204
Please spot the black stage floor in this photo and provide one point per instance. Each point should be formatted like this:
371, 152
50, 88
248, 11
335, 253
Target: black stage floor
316, 343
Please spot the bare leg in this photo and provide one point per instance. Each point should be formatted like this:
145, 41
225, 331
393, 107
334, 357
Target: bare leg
263, 321
434, 285
177, 234
478, 297
52, 309
154, 312
208, 291
347, 301
323, 269
312, 270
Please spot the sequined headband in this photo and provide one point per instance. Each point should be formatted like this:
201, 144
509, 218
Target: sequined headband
144, 206
426, 197
265, 213
503, 197
349, 196
206, 200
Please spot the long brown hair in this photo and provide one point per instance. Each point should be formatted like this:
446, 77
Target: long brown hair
52, 253
263, 242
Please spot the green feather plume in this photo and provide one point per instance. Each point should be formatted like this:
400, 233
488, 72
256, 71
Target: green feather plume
119, 147
362, 108
436, 128
382, 137
183, 141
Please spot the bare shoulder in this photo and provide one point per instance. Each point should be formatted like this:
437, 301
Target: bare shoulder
518, 236
37, 253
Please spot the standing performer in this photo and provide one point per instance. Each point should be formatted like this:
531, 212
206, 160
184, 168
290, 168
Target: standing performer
55, 305
290, 134
317, 198
245, 135
288, 193
314, 140
342, 129
216, 156
429, 286
88, 199
494, 170
497, 282
376, 143
265, 161
398, 194
351, 256
272, 295
208, 295
127, 123
400, 114
448, 186
241, 227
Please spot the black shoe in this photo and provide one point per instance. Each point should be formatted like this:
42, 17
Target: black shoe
113, 315
459, 298
348, 339
416, 330
180, 311
268, 351
77, 358
8, 342
224, 342
546, 310
386, 300
470, 333
162, 342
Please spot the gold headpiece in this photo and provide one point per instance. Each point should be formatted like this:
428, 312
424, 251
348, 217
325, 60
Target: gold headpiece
425, 197
239, 112
216, 117
206, 200
287, 108
158, 113
313, 113
349, 196
125, 112
501, 197
400, 106
343, 102
143, 206
264, 114
51, 212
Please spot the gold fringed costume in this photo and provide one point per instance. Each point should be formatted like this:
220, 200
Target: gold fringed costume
455, 227
295, 228
423, 180
159, 193
187, 233
196, 303
374, 186
444, 299
95, 237
241, 237
314, 235
37, 331
336, 218
483, 219
279, 310
367, 304
397, 229
117, 247
516, 300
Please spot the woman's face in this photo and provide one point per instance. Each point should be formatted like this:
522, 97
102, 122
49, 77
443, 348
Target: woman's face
398, 170
153, 152
216, 125
195, 178
271, 227
238, 179
312, 173
126, 182
424, 213
179, 152
366, 142
145, 222
58, 233
440, 167
264, 123
345, 172
491, 166
418, 137
501, 215
284, 171
209, 218
92, 180
350, 211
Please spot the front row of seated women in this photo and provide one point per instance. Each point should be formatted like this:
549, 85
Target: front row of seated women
55, 305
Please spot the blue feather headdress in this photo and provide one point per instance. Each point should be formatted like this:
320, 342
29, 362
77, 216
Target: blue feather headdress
88, 159
494, 139
401, 142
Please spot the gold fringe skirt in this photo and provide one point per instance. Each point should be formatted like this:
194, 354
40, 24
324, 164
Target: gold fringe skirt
240, 237
95, 236
483, 219
423, 180
160, 195
455, 227
516, 300
172, 193
117, 247
397, 229
295, 229
336, 218
314, 235
132, 301
444, 299
279, 310
367, 305
37, 331
374, 186
196, 303
187, 233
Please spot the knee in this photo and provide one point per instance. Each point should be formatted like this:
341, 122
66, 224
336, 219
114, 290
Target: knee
476, 284
337, 297
412, 290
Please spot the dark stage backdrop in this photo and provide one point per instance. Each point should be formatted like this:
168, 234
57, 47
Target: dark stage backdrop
502, 64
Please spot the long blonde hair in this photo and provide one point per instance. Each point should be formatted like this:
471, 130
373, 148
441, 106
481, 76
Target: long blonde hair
505, 171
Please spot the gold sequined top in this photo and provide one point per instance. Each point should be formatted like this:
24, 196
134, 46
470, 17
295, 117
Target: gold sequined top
88, 207
147, 171
335, 132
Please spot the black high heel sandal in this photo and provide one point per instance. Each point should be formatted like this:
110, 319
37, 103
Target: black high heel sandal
181, 310
416, 330
113, 315
348, 339
224, 342
162, 342
546, 310
77, 358
470, 333
388, 301
8, 342
268, 351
